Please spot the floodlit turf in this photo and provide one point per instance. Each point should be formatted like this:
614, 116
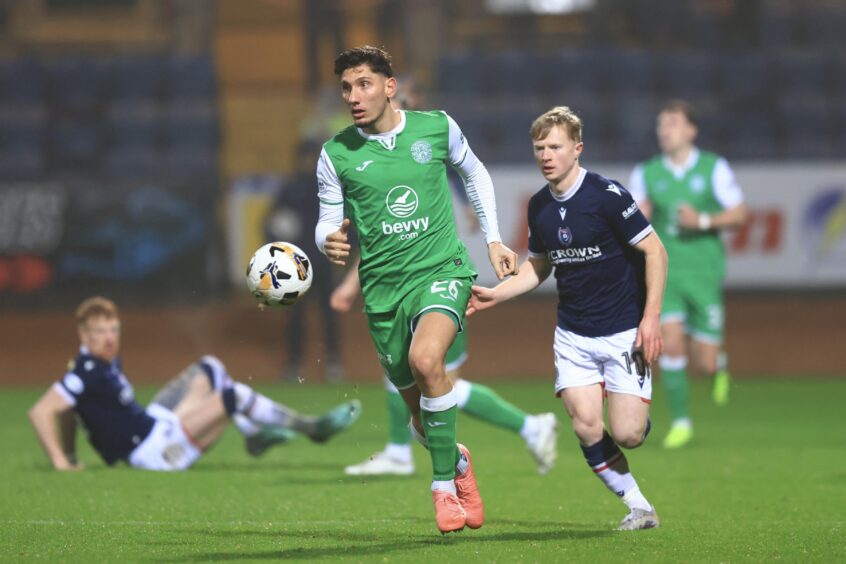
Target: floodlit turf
765, 479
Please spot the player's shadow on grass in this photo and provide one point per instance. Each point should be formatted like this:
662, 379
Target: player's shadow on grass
350, 546
267, 466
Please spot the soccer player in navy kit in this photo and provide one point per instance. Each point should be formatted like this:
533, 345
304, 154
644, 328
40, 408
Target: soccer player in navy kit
184, 419
610, 269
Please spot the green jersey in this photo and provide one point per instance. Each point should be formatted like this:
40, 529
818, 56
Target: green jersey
707, 185
395, 191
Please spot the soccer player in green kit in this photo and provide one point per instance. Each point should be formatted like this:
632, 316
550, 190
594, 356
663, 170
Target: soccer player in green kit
387, 174
689, 195
538, 431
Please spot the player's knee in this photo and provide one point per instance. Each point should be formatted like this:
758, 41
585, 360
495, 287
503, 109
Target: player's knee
707, 365
674, 348
424, 365
629, 437
588, 431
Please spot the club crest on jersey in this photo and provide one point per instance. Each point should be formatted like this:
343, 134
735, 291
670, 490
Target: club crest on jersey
402, 201
421, 151
697, 184
565, 236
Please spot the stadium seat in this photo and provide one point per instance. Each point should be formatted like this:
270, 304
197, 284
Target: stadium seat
460, 74
691, 76
776, 27
138, 77
806, 127
23, 81
76, 144
191, 162
628, 73
134, 161
78, 84
745, 79
634, 128
23, 136
191, 78
750, 136
802, 73
134, 124
190, 125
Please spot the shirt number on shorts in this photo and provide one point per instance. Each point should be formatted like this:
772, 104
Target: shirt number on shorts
447, 289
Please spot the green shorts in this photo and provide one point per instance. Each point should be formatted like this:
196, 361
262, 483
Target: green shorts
392, 331
696, 301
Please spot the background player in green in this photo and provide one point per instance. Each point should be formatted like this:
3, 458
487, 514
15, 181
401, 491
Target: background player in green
387, 174
539, 431
689, 195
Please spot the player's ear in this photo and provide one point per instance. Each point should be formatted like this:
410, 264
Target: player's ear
390, 87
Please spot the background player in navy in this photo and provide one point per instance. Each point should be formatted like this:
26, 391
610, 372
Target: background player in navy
610, 268
184, 419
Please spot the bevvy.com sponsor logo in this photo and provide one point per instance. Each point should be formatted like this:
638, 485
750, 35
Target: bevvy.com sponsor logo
402, 201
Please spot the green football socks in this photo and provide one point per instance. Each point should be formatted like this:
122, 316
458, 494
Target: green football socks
485, 404
398, 416
674, 377
438, 417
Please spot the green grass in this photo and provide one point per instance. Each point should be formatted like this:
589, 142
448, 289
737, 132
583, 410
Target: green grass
764, 480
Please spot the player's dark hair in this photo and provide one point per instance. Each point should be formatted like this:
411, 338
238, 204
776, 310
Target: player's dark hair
682, 106
559, 115
377, 59
96, 306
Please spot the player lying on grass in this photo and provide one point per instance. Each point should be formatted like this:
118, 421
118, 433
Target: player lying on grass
184, 419
610, 269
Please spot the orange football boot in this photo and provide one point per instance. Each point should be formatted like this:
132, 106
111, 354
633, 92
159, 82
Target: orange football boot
449, 514
468, 493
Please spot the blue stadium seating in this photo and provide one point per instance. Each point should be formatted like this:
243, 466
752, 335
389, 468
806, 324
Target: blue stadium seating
22, 81
806, 126
750, 136
746, 79
78, 84
191, 78
76, 144
138, 77
136, 125
691, 76
803, 72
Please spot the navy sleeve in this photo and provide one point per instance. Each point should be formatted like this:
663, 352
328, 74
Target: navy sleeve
623, 215
536, 245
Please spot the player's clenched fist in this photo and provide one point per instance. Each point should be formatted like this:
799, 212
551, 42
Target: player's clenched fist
503, 259
337, 247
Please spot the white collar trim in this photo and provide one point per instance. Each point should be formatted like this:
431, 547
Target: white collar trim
570, 192
680, 171
386, 135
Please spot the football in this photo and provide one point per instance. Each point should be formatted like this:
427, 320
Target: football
279, 274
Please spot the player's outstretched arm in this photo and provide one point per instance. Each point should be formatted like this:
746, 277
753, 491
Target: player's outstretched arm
532, 272
343, 297
649, 331
43, 415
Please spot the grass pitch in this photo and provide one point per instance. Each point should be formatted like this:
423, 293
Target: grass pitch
763, 480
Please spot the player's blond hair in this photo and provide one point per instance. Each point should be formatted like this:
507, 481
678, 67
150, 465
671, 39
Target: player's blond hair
559, 115
96, 306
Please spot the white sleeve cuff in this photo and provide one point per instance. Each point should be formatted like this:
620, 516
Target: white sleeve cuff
640, 236
64, 393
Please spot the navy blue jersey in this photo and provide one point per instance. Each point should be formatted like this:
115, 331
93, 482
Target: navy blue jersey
103, 398
588, 235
